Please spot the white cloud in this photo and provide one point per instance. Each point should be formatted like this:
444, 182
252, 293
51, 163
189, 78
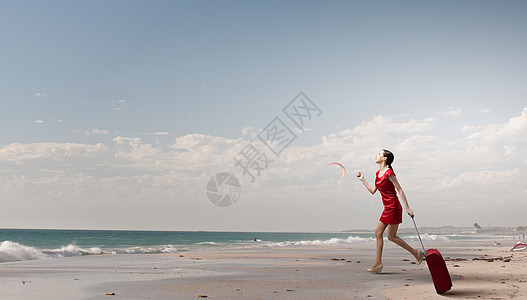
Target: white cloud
387, 125
249, 130
438, 173
127, 141
301, 130
161, 133
191, 153
39, 121
156, 133
118, 105
96, 131
452, 112
485, 110
481, 178
39, 94
380, 131
137, 153
121, 101
19, 153
515, 128
204, 143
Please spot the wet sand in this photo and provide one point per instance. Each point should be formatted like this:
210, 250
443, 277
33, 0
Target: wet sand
314, 272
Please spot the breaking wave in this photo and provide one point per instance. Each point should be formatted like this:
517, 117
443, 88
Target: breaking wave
12, 251
354, 240
426, 237
332, 241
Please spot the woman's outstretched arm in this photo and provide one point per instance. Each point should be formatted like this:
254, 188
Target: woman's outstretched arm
399, 189
369, 187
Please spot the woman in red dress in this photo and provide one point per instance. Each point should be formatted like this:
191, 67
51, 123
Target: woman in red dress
392, 216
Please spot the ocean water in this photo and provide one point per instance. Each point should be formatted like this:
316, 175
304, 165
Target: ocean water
29, 244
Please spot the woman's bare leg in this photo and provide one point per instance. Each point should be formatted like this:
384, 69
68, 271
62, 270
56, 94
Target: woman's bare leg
379, 231
392, 236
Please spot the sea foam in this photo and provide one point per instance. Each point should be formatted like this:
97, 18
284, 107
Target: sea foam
332, 241
426, 237
12, 251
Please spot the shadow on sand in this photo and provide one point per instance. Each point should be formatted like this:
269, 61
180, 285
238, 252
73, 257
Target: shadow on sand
466, 287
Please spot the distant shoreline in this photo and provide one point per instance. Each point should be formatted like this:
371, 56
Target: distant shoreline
497, 230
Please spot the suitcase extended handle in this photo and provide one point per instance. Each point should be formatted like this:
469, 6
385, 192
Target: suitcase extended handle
425, 252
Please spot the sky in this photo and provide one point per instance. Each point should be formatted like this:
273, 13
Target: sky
117, 114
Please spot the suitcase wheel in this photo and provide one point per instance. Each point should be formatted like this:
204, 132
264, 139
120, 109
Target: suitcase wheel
435, 286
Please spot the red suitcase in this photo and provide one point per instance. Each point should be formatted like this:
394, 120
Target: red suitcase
437, 267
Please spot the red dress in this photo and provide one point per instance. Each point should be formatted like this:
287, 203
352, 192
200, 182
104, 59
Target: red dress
393, 211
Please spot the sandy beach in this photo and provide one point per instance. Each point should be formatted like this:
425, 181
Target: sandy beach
479, 269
